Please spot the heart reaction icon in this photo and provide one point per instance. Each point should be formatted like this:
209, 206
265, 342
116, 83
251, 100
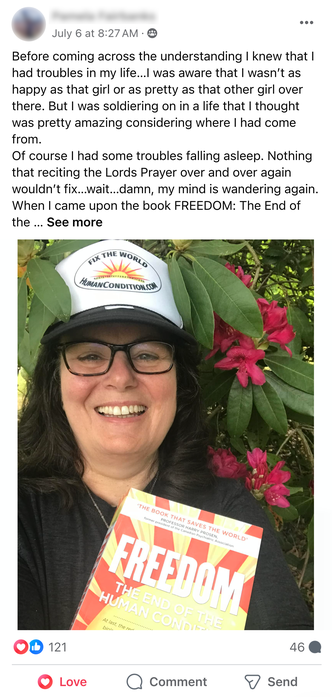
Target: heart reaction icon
21, 646
45, 681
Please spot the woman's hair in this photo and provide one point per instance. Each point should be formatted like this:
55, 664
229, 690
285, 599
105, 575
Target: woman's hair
50, 459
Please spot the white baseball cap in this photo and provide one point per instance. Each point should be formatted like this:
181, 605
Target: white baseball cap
117, 281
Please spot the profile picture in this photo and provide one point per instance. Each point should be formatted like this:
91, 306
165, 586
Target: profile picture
28, 24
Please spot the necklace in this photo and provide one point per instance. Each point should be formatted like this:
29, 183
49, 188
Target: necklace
151, 486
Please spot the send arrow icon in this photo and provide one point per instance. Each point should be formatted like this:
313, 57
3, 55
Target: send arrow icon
252, 680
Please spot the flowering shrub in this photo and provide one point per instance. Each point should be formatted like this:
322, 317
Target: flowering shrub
276, 329
261, 482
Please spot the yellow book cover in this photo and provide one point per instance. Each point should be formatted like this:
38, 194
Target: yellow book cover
164, 565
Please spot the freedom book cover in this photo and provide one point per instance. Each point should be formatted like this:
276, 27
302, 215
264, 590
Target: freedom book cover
165, 565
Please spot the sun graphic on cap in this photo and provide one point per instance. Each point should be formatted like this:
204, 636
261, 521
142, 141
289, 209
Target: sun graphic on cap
120, 271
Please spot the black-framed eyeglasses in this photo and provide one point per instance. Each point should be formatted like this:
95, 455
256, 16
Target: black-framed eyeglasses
90, 358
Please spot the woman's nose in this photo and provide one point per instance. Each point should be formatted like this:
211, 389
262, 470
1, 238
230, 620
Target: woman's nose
121, 374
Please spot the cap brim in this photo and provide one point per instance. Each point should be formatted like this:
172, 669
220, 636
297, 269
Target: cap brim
100, 315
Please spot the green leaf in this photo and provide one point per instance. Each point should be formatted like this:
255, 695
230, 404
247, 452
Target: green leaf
275, 251
301, 323
293, 371
40, 319
294, 489
300, 418
296, 344
307, 279
238, 444
230, 298
149, 244
184, 263
218, 260
310, 537
293, 560
290, 513
258, 429
218, 387
201, 309
215, 247
270, 407
22, 303
24, 356
304, 505
64, 246
308, 574
181, 295
50, 288
299, 401
253, 439
24, 250
272, 459
239, 407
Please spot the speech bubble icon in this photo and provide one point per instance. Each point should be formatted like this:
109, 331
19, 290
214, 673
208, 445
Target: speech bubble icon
315, 647
134, 681
252, 680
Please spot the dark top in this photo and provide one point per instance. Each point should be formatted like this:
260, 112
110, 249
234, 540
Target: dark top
58, 548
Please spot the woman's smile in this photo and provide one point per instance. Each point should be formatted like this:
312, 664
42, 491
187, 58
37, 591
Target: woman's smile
122, 411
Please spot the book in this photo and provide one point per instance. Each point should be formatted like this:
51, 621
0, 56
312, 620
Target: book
165, 565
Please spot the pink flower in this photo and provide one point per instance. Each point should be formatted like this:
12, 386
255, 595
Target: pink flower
273, 315
275, 323
257, 458
263, 483
275, 496
244, 358
225, 464
224, 336
278, 477
245, 278
283, 336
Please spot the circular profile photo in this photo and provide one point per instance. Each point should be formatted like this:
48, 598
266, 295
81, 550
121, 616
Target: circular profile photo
28, 23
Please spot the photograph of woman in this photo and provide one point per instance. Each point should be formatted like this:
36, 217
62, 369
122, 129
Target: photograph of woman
114, 402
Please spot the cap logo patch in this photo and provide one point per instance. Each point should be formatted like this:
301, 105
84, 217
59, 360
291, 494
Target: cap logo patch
117, 270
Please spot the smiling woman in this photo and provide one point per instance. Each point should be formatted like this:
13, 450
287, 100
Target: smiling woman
121, 405
114, 403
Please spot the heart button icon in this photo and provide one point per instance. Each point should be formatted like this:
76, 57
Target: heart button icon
21, 646
45, 681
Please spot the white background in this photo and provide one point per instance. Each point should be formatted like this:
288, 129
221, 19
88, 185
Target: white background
208, 26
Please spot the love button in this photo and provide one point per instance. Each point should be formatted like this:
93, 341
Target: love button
72, 682
45, 681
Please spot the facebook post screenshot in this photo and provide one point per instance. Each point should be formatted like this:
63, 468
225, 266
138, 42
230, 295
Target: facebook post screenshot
163, 477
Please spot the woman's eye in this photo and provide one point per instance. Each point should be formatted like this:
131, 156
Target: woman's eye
146, 357
91, 357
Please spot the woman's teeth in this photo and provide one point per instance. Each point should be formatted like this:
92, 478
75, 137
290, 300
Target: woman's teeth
122, 412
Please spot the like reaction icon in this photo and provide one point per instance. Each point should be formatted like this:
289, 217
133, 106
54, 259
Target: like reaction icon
21, 646
45, 681
36, 646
